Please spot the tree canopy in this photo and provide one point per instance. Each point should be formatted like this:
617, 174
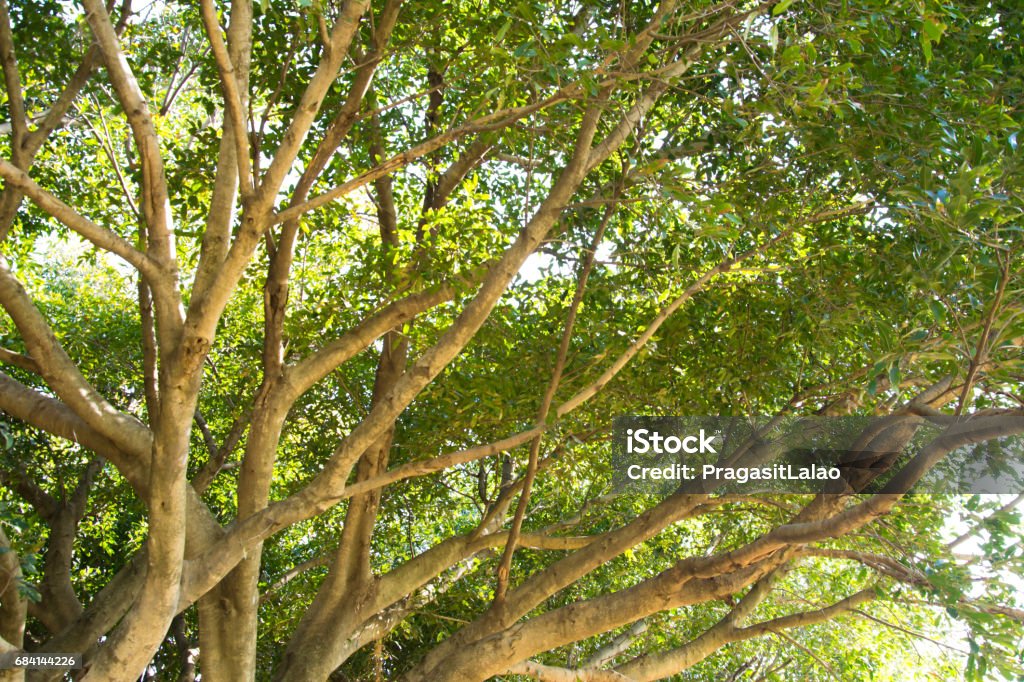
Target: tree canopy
318, 314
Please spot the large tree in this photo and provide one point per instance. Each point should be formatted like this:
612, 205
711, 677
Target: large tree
318, 314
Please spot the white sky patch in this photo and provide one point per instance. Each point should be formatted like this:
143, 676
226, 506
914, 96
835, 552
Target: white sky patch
540, 264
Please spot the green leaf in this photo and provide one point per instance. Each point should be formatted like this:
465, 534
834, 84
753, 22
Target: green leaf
500, 35
894, 376
926, 47
933, 30
781, 7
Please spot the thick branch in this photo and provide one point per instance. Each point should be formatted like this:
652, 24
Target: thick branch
156, 202
219, 218
233, 102
63, 375
550, 673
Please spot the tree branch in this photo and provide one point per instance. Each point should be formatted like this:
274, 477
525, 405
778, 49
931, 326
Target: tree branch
53, 416
18, 360
156, 202
593, 388
99, 236
62, 375
302, 375
550, 673
494, 121
13, 606
46, 124
232, 97
12, 81
305, 113
505, 566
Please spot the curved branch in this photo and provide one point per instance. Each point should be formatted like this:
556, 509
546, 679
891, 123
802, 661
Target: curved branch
666, 664
61, 373
99, 236
494, 121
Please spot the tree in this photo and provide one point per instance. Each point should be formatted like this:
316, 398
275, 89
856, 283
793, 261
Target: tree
318, 315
